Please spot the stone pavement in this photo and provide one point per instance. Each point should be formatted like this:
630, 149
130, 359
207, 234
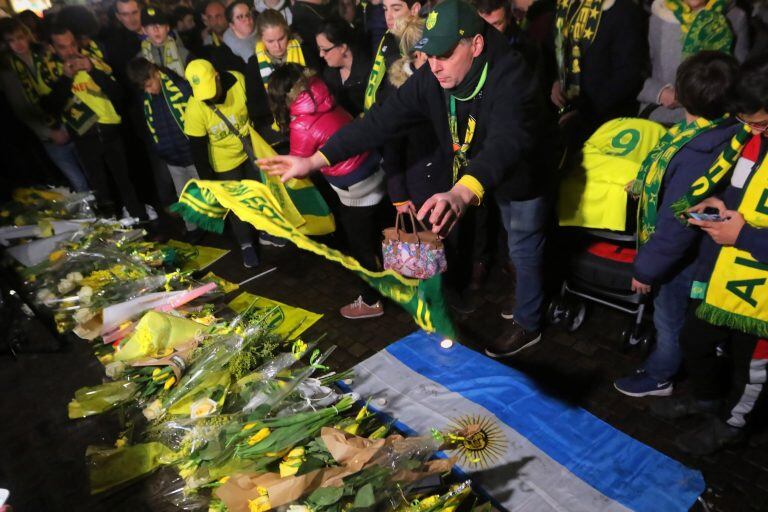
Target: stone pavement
42, 453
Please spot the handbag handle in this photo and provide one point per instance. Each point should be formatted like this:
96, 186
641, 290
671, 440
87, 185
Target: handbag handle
414, 221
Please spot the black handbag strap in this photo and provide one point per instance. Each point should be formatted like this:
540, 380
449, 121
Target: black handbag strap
245, 141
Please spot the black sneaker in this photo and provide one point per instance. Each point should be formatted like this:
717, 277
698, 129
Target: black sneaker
515, 340
267, 239
709, 437
682, 407
250, 258
508, 309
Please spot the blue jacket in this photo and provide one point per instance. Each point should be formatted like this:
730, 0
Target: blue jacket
171, 144
751, 239
673, 246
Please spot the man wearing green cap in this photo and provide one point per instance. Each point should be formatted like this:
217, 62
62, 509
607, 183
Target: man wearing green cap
484, 105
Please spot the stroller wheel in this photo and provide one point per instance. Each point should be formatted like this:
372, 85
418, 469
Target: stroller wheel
642, 341
556, 311
577, 311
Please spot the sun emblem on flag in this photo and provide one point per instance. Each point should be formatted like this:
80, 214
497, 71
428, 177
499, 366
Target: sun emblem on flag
431, 20
477, 440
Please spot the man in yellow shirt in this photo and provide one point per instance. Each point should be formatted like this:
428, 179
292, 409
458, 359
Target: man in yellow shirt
84, 94
216, 122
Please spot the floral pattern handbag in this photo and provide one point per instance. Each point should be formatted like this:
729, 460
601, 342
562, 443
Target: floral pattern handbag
419, 254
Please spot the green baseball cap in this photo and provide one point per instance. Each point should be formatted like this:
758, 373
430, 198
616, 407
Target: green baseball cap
446, 25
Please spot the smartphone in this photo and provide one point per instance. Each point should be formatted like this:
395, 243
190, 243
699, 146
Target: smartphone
710, 217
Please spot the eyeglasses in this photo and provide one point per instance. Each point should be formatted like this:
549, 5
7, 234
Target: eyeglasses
759, 126
326, 50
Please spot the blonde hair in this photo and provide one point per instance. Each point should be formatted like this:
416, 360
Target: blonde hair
271, 18
408, 30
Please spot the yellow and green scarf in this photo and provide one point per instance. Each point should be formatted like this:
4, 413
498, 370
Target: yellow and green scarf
174, 98
32, 81
706, 29
378, 71
294, 55
170, 55
461, 147
206, 203
576, 25
92, 49
735, 296
651, 175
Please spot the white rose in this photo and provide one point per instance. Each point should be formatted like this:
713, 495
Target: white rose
153, 410
45, 296
85, 294
83, 315
115, 369
66, 285
75, 277
202, 408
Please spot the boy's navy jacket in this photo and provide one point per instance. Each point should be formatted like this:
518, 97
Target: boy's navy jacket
751, 239
673, 246
171, 144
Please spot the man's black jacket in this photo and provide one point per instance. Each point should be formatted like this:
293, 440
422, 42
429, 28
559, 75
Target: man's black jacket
515, 141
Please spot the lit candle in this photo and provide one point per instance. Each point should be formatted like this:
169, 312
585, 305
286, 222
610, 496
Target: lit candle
446, 343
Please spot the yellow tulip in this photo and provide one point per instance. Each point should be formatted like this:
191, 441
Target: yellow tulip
170, 382
224, 479
248, 426
259, 436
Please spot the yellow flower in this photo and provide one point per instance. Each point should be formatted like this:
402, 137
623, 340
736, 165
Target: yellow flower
121, 441
352, 429
292, 462
170, 382
56, 255
261, 503
428, 502
224, 479
248, 426
362, 414
259, 436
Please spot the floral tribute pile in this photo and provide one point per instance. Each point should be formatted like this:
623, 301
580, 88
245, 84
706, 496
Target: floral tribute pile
222, 403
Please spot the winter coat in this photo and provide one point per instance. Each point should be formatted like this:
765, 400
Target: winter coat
514, 144
171, 144
350, 95
666, 51
673, 246
315, 117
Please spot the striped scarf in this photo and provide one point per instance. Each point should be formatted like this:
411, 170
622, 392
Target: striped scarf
170, 55
32, 80
651, 175
174, 98
267, 63
576, 25
378, 71
707, 184
706, 29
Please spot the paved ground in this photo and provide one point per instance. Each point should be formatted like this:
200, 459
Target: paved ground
42, 453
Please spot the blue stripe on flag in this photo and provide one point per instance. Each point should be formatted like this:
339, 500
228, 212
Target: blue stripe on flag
620, 467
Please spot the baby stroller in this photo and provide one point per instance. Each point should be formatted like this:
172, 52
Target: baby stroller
597, 219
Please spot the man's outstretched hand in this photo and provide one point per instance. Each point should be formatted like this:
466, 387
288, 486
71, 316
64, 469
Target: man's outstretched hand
444, 209
289, 167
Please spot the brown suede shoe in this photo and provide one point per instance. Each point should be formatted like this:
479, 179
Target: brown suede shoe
358, 310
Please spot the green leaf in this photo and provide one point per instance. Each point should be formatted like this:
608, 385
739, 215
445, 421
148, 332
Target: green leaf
325, 496
364, 497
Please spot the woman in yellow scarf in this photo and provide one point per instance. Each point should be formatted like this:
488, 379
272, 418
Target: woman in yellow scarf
275, 45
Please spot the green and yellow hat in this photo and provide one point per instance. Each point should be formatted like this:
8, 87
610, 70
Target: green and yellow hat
446, 25
202, 77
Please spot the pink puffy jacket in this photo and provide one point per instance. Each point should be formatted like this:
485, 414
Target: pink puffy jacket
315, 117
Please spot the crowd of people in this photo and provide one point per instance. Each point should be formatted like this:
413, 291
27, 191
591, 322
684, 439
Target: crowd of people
464, 114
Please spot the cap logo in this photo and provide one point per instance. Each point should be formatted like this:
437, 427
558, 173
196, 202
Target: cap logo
431, 20
195, 80
151, 11
461, 31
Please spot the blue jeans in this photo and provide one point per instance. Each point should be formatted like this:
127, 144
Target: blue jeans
669, 308
525, 222
65, 158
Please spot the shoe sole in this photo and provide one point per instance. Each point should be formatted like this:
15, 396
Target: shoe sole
508, 316
659, 392
273, 244
507, 354
361, 317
